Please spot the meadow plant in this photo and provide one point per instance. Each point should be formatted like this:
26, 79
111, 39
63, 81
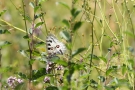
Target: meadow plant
67, 45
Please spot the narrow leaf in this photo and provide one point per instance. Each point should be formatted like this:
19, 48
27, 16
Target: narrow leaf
39, 44
94, 57
78, 51
38, 24
77, 26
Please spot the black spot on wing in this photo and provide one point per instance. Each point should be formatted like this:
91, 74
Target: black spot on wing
49, 41
49, 44
50, 48
61, 52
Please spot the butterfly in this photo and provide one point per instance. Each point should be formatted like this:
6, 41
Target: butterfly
54, 46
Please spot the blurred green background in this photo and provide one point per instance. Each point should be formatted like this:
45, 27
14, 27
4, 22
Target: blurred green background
110, 14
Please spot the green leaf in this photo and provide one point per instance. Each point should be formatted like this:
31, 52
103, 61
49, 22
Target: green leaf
4, 32
38, 24
64, 4
26, 17
66, 22
38, 73
109, 71
32, 4
69, 46
22, 75
8, 68
79, 66
124, 82
75, 1
103, 59
61, 62
131, 34
4, 44
38, 15
94, 57
31, 61
75, 12
52, 88
26, 37
111, 44
36, 53
77, 26
23, 52
114, 67
39, 44
1, 13
36, 8
93, 83
124, 69
64, 34
115, 54
110, 88
41, 1
101, 78
19, 86
54, 58
79, 50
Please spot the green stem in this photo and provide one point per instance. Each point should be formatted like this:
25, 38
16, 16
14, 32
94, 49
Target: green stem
19, 29
0, 73
130, 19
44, 21
93, 33
30, 48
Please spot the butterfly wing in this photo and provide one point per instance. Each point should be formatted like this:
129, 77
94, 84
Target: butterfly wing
54, 46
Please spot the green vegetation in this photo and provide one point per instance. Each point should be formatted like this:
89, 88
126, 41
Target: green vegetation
99, 36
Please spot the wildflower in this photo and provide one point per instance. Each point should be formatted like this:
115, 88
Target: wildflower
49, 67
13, 81
60, 67
47, 80
60, 80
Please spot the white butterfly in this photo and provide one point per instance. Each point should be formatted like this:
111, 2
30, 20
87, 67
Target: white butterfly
54, 46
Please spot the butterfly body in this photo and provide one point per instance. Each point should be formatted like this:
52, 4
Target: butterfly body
54, 46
